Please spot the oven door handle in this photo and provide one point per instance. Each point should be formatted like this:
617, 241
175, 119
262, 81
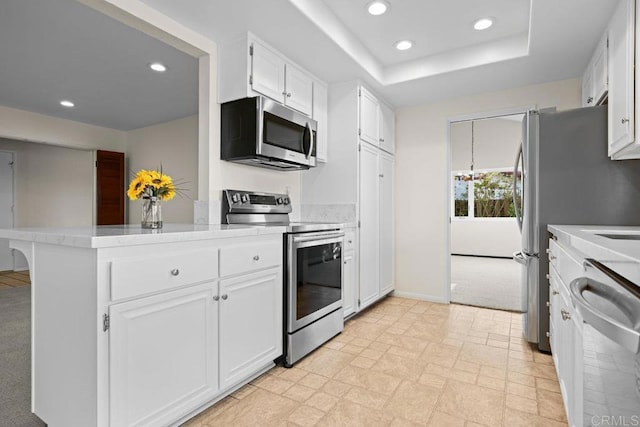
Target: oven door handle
319, 239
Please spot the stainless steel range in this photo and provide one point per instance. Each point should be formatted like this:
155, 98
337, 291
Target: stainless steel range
313, 268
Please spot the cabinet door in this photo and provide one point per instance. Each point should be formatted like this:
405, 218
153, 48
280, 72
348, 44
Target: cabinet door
621, 85
387, 129
369, 126
321, 115
349, 300
299, 88
599, 71
250, 324
162, 356
369, 225
267, 72
587, 88
386, 223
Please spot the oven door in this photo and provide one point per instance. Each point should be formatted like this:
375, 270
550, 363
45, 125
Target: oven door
286, 134
314, 277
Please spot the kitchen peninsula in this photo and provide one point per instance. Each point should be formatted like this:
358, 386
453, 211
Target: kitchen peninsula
118, 312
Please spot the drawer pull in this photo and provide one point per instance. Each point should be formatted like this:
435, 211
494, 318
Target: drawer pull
216, 298
256, 258
350, 241
225, 296
175, 272
565, 314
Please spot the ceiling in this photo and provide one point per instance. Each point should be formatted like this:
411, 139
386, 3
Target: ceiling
60, 49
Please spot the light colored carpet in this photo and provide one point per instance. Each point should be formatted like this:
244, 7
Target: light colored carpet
486, 282
15, 358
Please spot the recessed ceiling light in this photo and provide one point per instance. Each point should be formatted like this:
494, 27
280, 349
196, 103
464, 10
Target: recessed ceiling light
67, 103
404, 45
483, 24
156, 66
377, 7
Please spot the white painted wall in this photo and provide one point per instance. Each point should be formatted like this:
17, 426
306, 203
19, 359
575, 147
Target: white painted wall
422, 245
23, 125
496, 142
174, 146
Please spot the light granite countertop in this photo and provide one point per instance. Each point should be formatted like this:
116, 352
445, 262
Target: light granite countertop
621, 255
106, 236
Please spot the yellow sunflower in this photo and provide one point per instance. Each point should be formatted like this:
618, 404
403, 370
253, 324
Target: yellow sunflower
167, 192
137, 186
159, 180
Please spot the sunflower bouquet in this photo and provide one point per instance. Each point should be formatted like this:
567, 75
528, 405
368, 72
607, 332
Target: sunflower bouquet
151, 183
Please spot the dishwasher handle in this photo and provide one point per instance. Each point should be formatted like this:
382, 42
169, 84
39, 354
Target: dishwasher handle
611, 328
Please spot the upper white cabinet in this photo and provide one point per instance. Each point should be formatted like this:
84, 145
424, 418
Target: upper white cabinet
621, 82
249, 67
376, 122
595, 79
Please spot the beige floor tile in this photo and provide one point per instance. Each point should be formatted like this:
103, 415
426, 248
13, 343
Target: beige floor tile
498, 344
378, 346
299, 392
327, 363
413, 402
440, 419
244, 391
474, 368
550, 385
490, 371
515, 418
451, 373
440, 354
292, 374
522, 404
347, 413
370, 380
399, 367
351, 349
522, 390
273, 384
259, 408
322, 401
363, 362
314, 381
306, 416
516, 377
371, 354
472, 402
361, 342
537, 370
403, 352
551, 405
484, 355
492, 383
432, 380
367, 398
336, 388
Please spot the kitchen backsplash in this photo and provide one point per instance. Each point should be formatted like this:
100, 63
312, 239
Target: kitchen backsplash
328, 213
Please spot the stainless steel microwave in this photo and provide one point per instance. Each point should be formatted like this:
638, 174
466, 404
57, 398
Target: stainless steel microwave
260, 132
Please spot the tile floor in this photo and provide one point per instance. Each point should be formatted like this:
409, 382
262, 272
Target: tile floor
13, 279
402, 363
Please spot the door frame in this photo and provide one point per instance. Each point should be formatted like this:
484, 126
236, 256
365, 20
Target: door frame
13, 200
450, 121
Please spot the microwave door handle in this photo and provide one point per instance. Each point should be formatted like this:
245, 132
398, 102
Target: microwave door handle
313, 142
307, 131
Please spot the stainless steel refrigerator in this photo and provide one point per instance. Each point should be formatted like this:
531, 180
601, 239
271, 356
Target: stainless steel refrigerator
567, 178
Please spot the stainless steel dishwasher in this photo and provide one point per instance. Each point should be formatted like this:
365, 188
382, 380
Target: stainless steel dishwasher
610, 308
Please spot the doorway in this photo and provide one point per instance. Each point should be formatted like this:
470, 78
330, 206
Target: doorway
484, 232
6, 207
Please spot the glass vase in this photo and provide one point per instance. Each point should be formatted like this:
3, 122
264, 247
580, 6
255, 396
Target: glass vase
151, 213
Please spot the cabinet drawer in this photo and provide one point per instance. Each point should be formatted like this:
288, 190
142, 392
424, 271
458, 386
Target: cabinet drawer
567, 266
244, 258
349, 241
135, 276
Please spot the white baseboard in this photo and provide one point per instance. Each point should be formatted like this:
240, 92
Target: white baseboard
421, 297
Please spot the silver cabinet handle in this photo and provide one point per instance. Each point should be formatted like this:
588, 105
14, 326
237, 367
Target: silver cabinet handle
216, 298
284, 93
350, 241
225, 296
548, 304
565, 314
289, 95
625, 121
256, 258
381, 175
175, 272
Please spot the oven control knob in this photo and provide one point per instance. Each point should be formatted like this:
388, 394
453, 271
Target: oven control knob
245, 198
235, 198
286, 200
280, 200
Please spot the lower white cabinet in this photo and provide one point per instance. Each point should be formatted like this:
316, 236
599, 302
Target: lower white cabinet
250, 324
162, 356
349, 294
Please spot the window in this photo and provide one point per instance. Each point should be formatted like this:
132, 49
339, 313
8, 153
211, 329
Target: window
485, 193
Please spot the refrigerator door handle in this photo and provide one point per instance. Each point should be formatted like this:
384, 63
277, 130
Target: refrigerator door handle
520, 258
515, 189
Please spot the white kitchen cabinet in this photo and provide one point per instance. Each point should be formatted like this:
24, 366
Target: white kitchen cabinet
250, 324
369, 225
248, 67
162, 356
349, 291
320, 115
369, 126
621, 34
387, 128
595, 78
386, 205
587, 88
